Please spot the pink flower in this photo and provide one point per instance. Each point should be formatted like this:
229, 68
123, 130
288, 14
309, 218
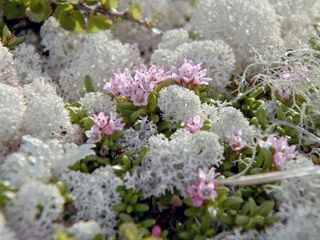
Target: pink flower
113, 125
100, 121
235, 142
93, 135
205, 187
197, 201
283, 152
207, 175
284, 92
194, 124
103, 125
156, 231
190, 73
207, 190
138, 84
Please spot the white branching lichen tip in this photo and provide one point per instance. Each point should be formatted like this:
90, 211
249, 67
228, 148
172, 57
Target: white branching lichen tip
137, 137
244, 25
296, 18
174, 38
230, 120
5, 232
175, 97
8, 71
106, 57
173, 164
84, 230
96, 102
44, 207
95, 194
45, 116
41, 160
12, 107
28, 63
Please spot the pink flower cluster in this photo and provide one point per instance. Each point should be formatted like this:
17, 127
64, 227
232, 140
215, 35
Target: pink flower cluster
138, 84
205, 187
103, 125
194, 124
235, 142
282, 151
190, 74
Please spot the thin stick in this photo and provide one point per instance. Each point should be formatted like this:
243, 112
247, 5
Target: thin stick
270, 177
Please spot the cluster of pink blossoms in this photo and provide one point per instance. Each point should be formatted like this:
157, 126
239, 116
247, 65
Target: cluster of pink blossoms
282, 151
190, 74
205, 187
139, 84
194, 124
103, 125
236, 142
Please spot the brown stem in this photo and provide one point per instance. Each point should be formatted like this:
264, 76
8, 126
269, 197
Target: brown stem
113, 14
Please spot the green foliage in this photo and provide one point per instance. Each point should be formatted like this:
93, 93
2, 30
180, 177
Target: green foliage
7, 38
132, 213
63, 235
6, 193
135, 11
75, 15
99, 22
88, 84
314, 41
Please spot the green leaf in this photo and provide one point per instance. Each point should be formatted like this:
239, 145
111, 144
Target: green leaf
242, 220
148, 223
88, 84
110, 3
62, 235
266, 208
125, 217
13, 9
264, 159
38, 10
192, 212
98, 237
135, 11
232, 202
70, 19
140, 207
98, 22
90, 2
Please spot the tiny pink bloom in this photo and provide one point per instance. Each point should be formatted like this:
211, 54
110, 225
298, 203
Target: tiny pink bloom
207, 175
235, 142
190, 73
113, 125
194, 124
197, 201
156, 231
205, 187
100, 121
283, 152
207, 190
284, 92
93, 135
278, 159
103, 125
